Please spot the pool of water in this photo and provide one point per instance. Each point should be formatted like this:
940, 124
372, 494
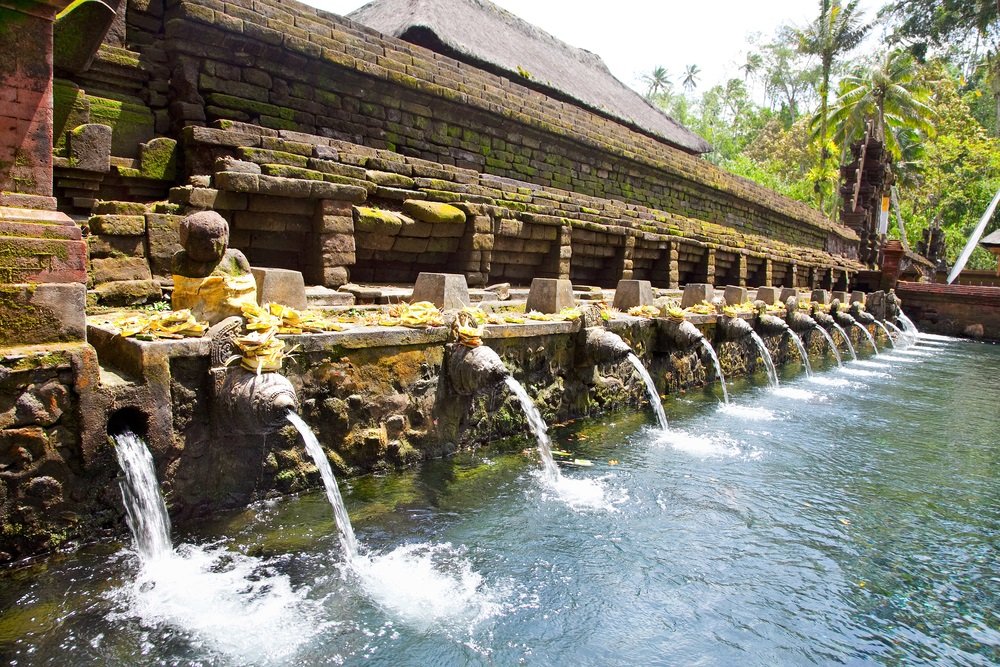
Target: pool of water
849, 518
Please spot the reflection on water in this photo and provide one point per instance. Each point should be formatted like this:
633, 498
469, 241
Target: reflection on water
851, 518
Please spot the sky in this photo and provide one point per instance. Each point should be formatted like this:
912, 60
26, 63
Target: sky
635, 36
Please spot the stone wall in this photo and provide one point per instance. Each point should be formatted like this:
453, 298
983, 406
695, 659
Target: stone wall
288, 67
953, 310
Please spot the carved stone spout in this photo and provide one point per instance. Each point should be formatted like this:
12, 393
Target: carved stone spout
473, 368
252, 403
796, 319
860, 315
732, 328
682, 334
601, 346
767, 324
822, 318
840, 317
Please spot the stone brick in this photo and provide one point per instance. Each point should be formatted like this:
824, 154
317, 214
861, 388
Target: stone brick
118, 225
280, 286
119, 268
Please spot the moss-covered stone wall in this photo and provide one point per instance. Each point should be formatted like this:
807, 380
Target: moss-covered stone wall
286, 66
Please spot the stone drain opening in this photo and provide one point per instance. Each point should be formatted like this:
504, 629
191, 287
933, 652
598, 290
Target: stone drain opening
128, 419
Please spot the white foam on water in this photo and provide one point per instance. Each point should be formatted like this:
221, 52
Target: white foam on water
867, 363
901, 357
707, 446
237, 604
917, 352
796, 394
748, 412
939, 337
427, 586
581, 493
825, 381
860, 372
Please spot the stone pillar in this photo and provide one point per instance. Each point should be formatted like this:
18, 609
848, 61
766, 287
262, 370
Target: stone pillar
43, 264
742, 268
892, 256
710, 266
768, 271
628, 262
673, 265
333, 249
565, 251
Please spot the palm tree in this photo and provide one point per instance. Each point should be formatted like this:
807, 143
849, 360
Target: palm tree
892, 94
657, 82
691, 77
837, 30
752, 65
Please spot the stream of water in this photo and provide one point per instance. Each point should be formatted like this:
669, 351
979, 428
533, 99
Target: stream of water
772, 373
802, 352
868, 335
829, 341
654, 396
718, 369
850, 517
850, 345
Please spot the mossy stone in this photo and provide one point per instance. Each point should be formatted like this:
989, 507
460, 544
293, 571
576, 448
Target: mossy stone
376, 221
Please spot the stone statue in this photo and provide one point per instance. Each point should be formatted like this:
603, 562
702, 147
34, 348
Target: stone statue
210, 279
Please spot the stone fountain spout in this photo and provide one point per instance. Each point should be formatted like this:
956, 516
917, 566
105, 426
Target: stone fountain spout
796, 319
732, 328
471, 369
767, 324
601, 346
839, 316
682, 334
823, 319
860, 315
254, 403
243, 401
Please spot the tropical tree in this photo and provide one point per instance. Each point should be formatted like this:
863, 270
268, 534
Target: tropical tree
836, 30
753, 64
691, 77
892, 94
657, 83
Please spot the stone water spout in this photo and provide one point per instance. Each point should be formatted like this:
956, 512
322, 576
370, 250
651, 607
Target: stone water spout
796, 319
255, 403
244, 401
860, 315
842, 318
767, 324
822, 318
601, 346
682, 333
473, 368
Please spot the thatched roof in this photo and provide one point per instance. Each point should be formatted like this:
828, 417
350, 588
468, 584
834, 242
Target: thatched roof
479, 32
991, 240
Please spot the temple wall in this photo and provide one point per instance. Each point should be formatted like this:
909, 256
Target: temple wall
288, 68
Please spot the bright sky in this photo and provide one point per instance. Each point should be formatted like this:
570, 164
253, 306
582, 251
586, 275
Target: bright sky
634, 36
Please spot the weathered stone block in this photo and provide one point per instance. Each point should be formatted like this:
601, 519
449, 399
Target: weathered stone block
631, 293
858, 296
843, 297
335, 276
820, 296
434, 212
735, 295
376, 221
280, 286
787, 292
44, 313
695, 293
158, 159
90, 147
768, 295
109, 269
118, 225
550, 295
127, 292
447, 291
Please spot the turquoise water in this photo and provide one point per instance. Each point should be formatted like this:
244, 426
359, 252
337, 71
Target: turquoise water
850, 518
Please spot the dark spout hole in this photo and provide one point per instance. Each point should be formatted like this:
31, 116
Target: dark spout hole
128, 419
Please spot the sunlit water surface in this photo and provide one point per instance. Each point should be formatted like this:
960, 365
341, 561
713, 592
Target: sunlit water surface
850, 518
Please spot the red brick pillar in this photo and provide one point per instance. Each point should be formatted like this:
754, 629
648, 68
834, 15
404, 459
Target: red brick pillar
43, 260
892, 255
